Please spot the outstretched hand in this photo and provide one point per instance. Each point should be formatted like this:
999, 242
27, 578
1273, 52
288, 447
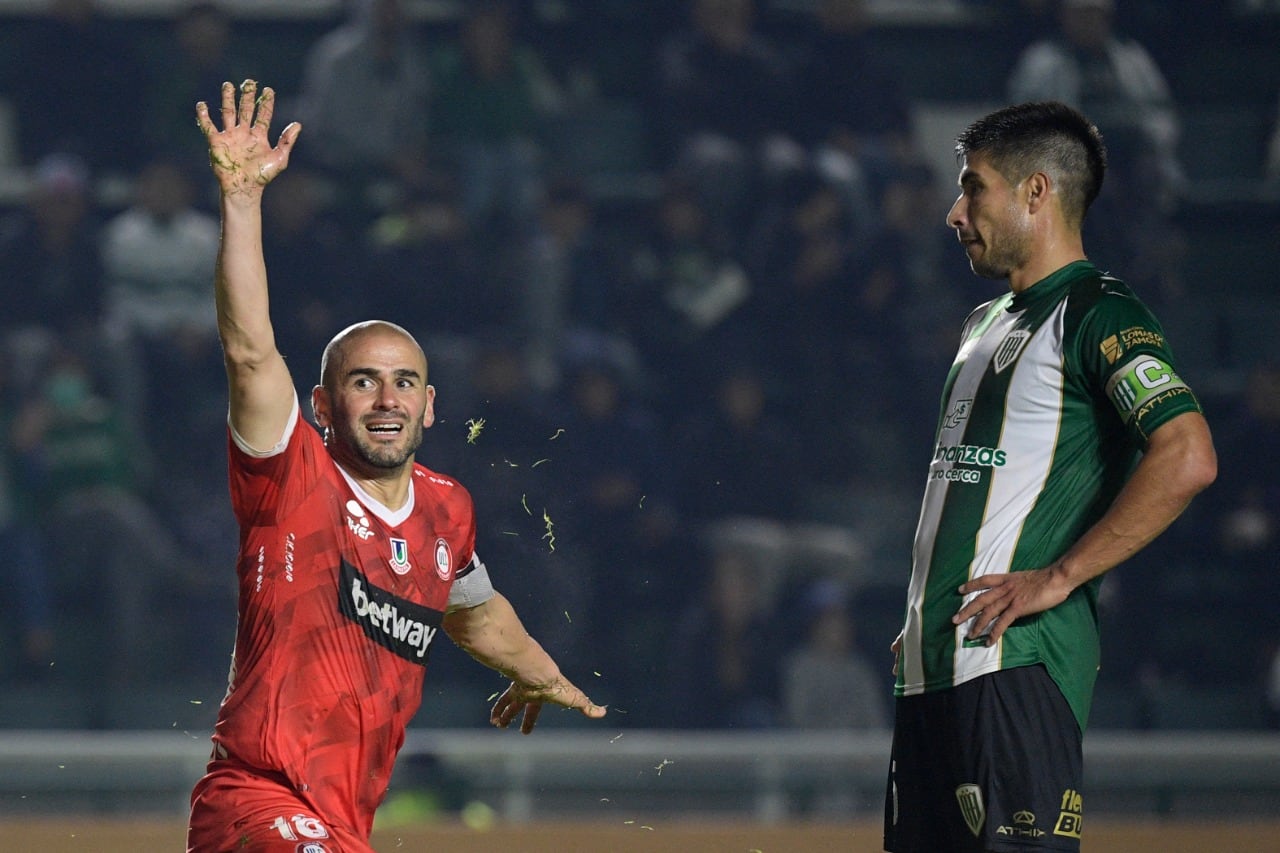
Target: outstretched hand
528, 700
242, 158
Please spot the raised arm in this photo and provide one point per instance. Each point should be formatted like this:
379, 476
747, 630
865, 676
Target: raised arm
244, 162
493, 634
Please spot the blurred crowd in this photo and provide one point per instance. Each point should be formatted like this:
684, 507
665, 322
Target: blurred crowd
688, 298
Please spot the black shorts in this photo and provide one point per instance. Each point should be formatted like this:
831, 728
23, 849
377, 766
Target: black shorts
994, 764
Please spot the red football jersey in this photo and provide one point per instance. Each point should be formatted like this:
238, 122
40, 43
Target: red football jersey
340, 599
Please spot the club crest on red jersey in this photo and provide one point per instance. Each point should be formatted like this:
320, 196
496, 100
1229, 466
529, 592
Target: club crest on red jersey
399, 556
444, 559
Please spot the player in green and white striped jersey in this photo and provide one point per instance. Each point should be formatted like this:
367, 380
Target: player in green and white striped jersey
1066, 442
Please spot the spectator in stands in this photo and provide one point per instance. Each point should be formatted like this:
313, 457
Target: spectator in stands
74, 80
195, 57
827, 681
49, 255
427, 257
1117, 82
78, 460
157, 256
829, 309
900, 298
850, 109
612, 458
610, 478
314, 259
721, 84
372, 66
1246, 507
491, 92
687, 294
513, 462
722, 667
742, 452
566, 278
25, 570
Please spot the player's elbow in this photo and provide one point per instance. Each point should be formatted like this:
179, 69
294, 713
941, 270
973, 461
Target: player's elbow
1187, 456
1202, 468
1197, 464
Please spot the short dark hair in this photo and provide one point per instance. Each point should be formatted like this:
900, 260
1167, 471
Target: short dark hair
1046, 135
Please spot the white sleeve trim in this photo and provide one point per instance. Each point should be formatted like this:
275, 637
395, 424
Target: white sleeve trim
280, 445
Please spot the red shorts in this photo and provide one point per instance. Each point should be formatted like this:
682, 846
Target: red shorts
236, 810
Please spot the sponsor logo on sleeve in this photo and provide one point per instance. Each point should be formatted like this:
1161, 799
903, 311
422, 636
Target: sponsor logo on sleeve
1117, 345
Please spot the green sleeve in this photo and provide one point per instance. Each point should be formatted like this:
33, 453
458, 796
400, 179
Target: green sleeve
1125, 358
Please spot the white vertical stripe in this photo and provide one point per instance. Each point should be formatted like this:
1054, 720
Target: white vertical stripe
975, 356
1029, 435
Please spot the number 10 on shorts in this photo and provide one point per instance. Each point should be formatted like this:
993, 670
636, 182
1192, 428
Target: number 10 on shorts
300, 826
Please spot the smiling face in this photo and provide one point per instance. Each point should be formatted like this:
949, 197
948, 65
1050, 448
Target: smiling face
374, 401
990, 220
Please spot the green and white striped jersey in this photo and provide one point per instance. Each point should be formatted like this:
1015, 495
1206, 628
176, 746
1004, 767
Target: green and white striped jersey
1044, 412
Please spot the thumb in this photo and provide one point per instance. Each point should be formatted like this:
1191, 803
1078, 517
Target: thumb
290, 135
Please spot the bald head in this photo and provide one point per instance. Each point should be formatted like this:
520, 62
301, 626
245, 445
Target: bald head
339, 350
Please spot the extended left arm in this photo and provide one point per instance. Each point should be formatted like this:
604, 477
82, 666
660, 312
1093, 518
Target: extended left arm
1179, 462
493, 634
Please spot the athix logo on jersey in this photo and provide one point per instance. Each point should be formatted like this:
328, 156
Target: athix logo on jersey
1024, 826
1009, 349
969, 796
444, 559
401, 626
399, 556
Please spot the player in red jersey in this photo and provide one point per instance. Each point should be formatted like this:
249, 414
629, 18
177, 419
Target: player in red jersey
352, 555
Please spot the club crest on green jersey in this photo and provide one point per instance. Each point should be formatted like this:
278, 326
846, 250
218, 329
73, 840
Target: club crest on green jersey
1010, 348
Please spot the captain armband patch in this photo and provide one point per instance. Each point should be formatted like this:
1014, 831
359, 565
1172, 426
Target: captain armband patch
1142, 383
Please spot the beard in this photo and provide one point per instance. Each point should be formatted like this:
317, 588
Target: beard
382, 456
1009, 252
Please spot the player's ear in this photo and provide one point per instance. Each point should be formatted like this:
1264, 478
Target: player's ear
1038, 188
429, 412
320, 407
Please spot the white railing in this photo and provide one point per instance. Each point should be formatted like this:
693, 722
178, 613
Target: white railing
762, 776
